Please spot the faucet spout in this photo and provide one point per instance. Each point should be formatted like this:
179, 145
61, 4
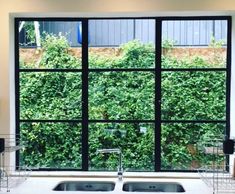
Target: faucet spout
115, 150
119, 152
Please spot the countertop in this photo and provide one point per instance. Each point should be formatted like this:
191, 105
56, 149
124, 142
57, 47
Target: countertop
45, 185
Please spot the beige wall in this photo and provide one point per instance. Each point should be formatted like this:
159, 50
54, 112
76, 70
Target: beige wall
11, 8
115, 6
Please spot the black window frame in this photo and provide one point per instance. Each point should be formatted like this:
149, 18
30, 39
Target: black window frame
157, 70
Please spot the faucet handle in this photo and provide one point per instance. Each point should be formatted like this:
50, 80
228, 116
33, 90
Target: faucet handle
120, 174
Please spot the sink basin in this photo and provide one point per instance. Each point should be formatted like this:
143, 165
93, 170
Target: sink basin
153, 187
85, 186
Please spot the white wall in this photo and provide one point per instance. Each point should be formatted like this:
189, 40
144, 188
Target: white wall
11, 8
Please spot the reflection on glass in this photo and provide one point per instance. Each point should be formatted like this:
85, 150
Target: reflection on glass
135, 140
51, 145
50, 45
193, 96
50, 95
121, 95
122, 43
194, 44
191, 146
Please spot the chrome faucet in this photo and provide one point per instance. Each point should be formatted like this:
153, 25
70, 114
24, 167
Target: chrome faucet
119, 152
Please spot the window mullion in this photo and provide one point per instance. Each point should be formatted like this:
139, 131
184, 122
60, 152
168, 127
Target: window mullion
158, 53
85, 94
228, 75
17, 87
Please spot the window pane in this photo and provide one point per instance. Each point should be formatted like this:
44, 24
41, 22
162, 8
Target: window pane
190, 146
50, 95
135, 140
58, 45
193, 96
122, 43
121, 95
51, 145
194, 44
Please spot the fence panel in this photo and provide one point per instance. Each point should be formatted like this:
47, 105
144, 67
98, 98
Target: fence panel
111, 33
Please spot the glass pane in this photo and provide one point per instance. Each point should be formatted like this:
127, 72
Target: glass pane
193, 96
122, 43
50, 44
121, 95
51, 145
136, 142
50, 95
194, 44
191, 146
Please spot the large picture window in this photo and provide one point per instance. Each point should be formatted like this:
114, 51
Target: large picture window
155, 88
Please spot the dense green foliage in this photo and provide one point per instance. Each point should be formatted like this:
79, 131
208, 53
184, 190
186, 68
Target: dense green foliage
117, 95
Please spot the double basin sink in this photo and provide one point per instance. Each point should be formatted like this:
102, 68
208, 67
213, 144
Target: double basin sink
108, 186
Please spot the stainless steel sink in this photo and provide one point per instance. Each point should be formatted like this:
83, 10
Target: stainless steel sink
85, 186
153, 187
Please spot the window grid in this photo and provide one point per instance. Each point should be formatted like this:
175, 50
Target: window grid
85, 71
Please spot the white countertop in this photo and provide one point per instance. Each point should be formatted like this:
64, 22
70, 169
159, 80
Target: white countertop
45, 185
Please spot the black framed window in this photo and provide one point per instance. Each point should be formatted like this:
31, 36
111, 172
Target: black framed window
121, 95
153, 87
49, 77
195, 84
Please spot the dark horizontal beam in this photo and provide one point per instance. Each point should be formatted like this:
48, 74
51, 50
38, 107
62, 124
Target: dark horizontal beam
49, 70
122, 70
194, 69
79, 19
120, 121
193, 121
